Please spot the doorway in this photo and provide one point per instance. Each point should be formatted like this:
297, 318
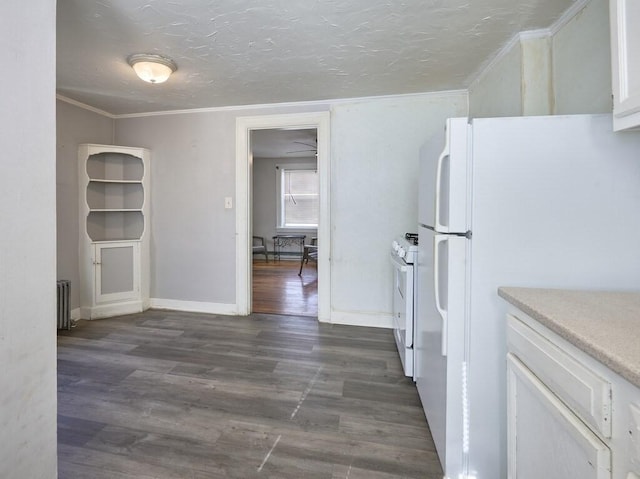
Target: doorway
285, 196
244, 212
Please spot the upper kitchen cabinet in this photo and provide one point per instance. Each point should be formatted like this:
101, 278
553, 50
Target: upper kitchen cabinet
625, 58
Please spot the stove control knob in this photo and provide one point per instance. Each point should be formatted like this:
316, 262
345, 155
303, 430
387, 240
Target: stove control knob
401, 252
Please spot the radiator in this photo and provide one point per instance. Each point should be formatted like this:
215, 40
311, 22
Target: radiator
64, 313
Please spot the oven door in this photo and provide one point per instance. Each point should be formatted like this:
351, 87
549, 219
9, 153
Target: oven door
403, 311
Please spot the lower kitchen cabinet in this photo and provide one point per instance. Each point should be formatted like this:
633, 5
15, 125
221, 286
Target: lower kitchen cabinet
545, 438
569, 415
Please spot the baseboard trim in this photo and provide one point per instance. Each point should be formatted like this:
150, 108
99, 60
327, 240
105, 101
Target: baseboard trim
194, 306
110, 310
362, 318
349, 318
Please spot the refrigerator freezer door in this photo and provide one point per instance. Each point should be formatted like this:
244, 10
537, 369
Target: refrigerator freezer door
440, 343
444, 176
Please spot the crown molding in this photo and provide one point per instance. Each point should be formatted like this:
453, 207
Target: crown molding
563, 20
84, 106
319, 104
568, 15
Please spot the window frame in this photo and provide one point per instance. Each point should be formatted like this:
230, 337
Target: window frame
280, 174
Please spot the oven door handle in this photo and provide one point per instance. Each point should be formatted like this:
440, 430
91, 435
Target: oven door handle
399, 264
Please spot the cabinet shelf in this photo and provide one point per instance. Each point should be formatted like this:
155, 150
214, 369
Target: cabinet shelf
110, 195
114, 167
124, 182
113, 225
113, 210
127, 241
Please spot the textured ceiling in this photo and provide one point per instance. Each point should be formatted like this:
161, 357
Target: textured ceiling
241, 52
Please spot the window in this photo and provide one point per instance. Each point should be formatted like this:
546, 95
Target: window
298, 197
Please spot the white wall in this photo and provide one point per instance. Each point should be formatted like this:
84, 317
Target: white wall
74, 126
374, 145
265, 198
582, 62
563, 70
374, 161
498, 91
28, 253
374, 194
192, 170
537, 84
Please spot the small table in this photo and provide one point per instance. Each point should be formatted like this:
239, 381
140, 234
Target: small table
279, 241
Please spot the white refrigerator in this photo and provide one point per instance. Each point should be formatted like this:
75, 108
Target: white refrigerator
527, 201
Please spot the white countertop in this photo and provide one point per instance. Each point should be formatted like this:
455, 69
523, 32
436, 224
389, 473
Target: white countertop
605, 325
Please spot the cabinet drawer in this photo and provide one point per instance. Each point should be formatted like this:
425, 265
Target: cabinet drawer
586, 393
546, 439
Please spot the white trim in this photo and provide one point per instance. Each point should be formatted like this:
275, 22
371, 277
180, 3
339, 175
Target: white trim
85, 106
297, 104
244, 160
75, 314
110, 310
491, 62
193, 306
291, 230
534, 34
362, 318
568, 15
487, 66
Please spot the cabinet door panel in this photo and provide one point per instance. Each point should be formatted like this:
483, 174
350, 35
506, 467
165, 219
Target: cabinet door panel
117, 272
625, 55
546, 440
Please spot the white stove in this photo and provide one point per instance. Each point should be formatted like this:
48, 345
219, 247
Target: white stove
406, 247
404, 256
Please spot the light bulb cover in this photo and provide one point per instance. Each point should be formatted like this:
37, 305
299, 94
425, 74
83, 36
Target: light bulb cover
152, 68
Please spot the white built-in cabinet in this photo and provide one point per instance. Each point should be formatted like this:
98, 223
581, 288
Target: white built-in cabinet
625, 58
114, 230
546, 390
569, 416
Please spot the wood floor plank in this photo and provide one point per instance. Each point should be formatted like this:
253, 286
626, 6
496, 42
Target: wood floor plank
147, 414
183, 395
277, 288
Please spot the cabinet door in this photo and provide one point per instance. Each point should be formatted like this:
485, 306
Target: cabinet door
545, 439
625, 58
117, 272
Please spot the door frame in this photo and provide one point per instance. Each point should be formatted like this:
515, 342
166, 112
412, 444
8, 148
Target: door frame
244, 178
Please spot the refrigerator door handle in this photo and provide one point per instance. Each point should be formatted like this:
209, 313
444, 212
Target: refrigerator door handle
436, 284
441, 159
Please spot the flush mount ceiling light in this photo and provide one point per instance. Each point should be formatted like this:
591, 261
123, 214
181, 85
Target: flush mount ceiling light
152, 68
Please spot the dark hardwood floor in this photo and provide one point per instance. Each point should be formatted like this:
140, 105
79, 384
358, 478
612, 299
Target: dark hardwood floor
277, 288
182, 395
